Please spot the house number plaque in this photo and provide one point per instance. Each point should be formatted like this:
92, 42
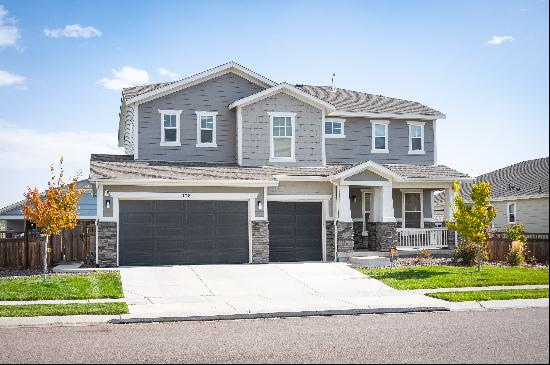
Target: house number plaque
186, 195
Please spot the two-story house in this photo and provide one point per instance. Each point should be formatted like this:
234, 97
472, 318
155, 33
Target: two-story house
227, 166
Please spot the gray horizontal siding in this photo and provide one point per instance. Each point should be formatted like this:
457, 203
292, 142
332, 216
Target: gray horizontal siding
356, 147
533, 213
256, 124
213, 95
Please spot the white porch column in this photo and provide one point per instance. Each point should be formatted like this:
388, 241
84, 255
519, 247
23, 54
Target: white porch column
449, 203
344, 210
387, 214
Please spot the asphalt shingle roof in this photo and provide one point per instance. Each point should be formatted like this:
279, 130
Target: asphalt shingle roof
125, 167
356, 101
525, 178
426, 171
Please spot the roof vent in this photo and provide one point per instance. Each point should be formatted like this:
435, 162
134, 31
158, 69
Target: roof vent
333, 82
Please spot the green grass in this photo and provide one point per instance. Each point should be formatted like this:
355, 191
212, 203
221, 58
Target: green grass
480, 295
431, 277
34, 310
82, 286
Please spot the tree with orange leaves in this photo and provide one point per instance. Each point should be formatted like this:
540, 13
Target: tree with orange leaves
55, 209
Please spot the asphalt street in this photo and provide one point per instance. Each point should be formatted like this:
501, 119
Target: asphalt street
500, 336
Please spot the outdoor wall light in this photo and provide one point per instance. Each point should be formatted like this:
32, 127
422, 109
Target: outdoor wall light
108, 203
354, 197
107, 193
260, 206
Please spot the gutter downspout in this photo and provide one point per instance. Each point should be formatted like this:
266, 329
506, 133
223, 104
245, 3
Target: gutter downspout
336, 214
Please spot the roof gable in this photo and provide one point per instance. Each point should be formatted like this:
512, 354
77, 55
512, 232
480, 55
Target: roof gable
153, 91
287, 89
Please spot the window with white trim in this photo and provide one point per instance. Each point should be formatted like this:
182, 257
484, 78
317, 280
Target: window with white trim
366, 209
206, 129
282, 136
379, 137
334, 128
412, 210
416, 137
511, 210
170, 127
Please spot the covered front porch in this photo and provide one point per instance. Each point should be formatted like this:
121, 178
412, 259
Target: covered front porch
384, 208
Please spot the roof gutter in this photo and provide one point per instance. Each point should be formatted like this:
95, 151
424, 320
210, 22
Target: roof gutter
165, 182
343, 113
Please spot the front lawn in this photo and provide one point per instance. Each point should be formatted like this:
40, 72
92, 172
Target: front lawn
34, 310
480, 295
432, 277
81, 286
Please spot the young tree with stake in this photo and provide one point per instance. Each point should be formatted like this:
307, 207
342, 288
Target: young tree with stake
55, 209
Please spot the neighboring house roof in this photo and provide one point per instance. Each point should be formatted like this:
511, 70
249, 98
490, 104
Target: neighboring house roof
359, 102
15, 208
526, 179
123, 167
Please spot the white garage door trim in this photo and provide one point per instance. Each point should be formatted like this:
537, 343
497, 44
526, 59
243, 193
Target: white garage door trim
117, 196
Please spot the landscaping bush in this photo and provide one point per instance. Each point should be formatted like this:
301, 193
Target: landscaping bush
466, 253
423, 256
516, 256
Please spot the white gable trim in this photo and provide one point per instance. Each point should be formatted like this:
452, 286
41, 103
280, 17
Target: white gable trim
202, 77
369, 165
287, 89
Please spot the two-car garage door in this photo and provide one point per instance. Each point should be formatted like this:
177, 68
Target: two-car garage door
188, 232
183, 232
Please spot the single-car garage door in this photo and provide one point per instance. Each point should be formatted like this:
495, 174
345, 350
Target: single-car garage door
295, 232
182, 232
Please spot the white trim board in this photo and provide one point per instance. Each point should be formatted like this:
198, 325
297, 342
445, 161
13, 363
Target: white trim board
342, 113
164, 182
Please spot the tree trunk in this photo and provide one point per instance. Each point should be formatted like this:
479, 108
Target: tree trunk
478, 257
45, 257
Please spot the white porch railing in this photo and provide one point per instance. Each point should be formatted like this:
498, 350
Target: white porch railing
422, 237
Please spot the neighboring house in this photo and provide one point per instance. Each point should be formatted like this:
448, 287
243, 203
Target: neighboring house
519, 195
227, 166
12, 215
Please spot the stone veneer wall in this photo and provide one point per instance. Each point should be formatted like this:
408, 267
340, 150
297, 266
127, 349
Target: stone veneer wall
106, 244
330, 240
382, 235
260, 242
344, 233
360, 242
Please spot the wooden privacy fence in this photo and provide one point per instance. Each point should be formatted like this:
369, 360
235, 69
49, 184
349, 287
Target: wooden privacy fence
498, 247
77, 243
16, 253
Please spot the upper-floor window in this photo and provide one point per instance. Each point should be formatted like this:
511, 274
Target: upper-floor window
206, 129
170, 127
511, 213
334, 128
282, 136
380, 136
416, 137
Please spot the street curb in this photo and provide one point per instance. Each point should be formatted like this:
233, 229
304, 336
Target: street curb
232, 317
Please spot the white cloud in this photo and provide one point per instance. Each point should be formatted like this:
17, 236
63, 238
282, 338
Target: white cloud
125, 77
25, 155
499, 39
9, 79
73, 31
166, 73
9, 33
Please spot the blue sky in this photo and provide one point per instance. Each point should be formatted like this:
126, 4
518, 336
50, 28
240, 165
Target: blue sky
483, 63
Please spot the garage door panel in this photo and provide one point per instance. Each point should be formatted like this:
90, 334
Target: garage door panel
183, 232
169, 206
295, 231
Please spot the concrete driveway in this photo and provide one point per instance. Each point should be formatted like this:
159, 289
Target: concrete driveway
210, 290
